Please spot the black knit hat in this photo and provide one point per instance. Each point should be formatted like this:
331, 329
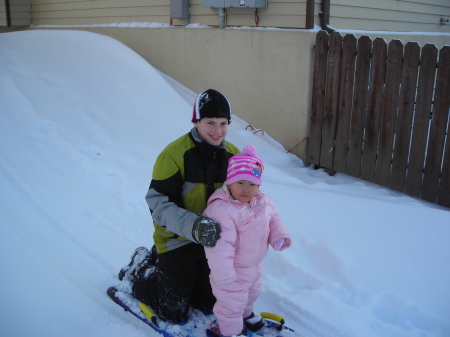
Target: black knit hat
212, 104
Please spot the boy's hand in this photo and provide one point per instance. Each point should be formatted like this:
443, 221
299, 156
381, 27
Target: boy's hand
205, 231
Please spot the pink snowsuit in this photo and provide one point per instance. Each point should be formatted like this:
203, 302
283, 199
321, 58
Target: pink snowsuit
236, 261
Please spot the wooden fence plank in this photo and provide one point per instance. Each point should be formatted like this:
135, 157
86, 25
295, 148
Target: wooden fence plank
389, 112
320, 64
331, 100
378, 72
444, 185
422, 115
404, 117
438, 128
344, 113
355, 144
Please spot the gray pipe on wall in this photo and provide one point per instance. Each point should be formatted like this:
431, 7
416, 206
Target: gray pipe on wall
324, 15
222, 18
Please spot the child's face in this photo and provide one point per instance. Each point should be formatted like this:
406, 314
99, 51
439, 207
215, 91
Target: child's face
212, 130
243, 190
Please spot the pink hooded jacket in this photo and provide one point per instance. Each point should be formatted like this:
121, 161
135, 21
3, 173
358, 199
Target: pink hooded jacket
236, 260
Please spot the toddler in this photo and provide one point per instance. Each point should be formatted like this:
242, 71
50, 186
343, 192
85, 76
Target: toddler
249, 223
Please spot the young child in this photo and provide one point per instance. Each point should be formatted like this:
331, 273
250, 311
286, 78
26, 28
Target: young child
249, 223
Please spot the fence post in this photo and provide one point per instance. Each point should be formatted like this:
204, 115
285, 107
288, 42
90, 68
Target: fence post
318, 92
443, 198
405, 116
438, 129
422, 115
331, 100
372, 126
356, 137
389, 112
344, 112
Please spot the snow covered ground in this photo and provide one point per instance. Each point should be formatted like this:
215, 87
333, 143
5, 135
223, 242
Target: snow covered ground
82, 119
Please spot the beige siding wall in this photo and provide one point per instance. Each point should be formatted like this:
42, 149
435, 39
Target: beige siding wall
20, 12
390, 15
3, 21
60, 12
387, 15
279, 13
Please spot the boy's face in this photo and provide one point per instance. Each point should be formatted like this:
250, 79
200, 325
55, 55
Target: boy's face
212, 130
243, 190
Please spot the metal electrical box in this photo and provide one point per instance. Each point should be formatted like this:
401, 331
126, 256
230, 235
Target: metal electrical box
234, 4
179, 9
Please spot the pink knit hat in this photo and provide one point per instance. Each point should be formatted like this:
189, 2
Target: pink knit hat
245, 166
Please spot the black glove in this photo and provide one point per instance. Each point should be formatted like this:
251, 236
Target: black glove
205, 231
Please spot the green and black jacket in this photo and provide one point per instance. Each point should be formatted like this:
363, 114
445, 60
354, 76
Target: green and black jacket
185, 175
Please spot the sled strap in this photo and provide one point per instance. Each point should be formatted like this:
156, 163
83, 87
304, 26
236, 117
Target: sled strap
147, 312
274, 317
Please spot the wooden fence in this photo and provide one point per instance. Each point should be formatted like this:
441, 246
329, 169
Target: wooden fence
380, 113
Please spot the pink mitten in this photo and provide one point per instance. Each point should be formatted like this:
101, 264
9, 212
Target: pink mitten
277, 245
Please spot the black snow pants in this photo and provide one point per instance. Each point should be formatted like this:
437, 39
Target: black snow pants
180, 279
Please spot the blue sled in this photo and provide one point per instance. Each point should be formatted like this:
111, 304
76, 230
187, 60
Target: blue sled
199, 323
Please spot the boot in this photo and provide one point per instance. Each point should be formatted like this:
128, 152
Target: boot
140, 260
253, 322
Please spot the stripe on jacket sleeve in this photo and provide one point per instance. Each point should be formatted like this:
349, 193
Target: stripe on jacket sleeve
167, 214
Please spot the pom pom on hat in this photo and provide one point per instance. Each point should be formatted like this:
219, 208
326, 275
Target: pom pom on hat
249, 150
245, 166
211, 104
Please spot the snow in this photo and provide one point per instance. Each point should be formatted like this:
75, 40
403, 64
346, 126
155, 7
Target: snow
83, 118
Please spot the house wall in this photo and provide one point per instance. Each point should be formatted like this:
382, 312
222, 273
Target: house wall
387, 15
20, 12
391, 15
279, 13
3, 21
